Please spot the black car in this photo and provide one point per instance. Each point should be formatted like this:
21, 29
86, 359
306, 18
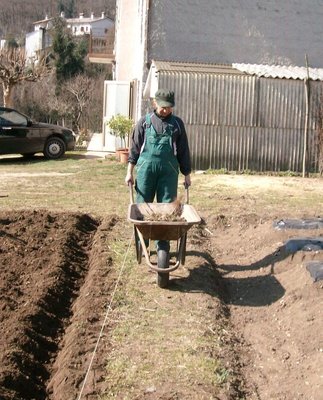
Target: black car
20, 135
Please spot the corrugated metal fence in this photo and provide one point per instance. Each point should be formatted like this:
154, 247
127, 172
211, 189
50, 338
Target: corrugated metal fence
241, 122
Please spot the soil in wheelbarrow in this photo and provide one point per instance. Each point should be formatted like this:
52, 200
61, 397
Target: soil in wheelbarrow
242, 319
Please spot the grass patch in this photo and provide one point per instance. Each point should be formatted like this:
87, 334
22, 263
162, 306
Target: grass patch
74, 183
155, 342
96, 186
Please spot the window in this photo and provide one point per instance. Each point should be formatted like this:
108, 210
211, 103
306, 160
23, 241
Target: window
12, 118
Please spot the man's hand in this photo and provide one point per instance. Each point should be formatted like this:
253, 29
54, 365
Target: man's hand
187, 180
129, 177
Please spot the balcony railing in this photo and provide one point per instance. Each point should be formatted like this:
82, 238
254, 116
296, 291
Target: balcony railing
101, 49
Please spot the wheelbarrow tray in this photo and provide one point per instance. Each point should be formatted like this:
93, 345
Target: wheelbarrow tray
162, 230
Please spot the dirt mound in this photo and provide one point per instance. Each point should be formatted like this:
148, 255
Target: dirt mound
45, 259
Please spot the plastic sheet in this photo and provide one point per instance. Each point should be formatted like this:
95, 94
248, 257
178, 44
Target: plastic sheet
305, 244
315, 268
311, 223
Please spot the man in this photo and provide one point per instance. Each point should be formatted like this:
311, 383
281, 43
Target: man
159, 150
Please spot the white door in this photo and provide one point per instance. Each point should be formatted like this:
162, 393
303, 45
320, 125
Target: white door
116, 101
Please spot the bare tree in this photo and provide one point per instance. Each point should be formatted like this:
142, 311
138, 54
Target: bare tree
79, 92
72, 103
13, 70
75, 100
79, 104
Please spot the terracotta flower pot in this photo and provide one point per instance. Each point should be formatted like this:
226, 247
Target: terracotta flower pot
119, 151
124, 154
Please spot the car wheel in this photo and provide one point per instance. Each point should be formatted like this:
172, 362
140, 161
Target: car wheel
54, 148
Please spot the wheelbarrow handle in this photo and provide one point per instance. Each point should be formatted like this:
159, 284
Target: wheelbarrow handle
131, 193
186, 193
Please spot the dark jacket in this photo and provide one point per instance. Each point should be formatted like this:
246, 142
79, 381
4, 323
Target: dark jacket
180, 142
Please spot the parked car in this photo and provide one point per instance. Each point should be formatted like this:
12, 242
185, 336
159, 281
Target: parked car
20, 135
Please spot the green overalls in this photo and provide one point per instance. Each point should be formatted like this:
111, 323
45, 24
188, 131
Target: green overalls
157, 168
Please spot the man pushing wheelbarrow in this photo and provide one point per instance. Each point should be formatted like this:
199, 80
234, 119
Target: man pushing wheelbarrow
159, 150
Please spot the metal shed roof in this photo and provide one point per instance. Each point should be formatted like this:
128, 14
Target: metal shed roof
279, 71
173, 66
260, 70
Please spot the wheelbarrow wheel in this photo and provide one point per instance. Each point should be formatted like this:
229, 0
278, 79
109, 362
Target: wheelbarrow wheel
162, 262
138, 247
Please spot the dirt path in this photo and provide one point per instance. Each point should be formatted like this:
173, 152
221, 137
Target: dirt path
241, 320
174, 343
275, 307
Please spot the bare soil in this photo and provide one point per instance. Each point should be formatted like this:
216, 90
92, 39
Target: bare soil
57, 276
54, 270
275, 308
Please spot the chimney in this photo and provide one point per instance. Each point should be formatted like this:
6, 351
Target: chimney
81, 15
92, 15
103, 14
62, 14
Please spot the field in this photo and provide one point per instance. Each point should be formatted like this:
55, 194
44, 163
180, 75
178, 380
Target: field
80, 319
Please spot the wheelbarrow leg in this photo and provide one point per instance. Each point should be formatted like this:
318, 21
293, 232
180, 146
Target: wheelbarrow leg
182, 249
138, 246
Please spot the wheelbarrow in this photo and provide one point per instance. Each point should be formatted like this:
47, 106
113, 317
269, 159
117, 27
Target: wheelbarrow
146, 229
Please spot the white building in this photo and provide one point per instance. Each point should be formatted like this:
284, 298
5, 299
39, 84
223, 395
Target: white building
40, 39
98, 27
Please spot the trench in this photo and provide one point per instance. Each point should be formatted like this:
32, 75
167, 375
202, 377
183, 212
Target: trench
32, 351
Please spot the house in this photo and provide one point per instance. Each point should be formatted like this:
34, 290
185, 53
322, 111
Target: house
38, 40
96, 28
217, 54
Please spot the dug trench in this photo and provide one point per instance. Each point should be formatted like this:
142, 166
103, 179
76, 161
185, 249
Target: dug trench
58, 273
53, 278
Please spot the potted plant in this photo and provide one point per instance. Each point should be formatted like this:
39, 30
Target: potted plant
121, 126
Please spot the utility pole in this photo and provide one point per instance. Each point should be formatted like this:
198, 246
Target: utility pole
307, 106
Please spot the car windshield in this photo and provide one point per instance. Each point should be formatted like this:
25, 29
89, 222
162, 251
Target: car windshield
11, 117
